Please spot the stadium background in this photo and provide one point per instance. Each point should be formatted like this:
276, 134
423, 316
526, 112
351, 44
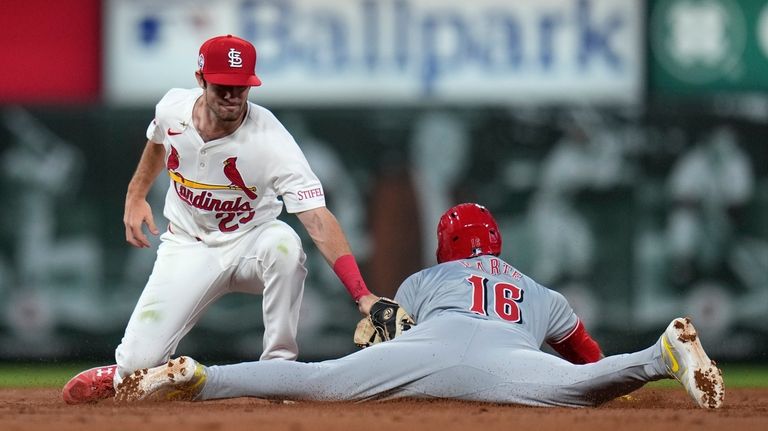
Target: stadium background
621, 144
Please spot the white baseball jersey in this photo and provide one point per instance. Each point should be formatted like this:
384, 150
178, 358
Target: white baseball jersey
223, 236
225, 187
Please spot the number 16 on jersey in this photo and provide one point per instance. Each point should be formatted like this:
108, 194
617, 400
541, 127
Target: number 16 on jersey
506, 299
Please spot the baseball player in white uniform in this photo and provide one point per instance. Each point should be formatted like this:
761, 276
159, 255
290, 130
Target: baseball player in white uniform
479, 327
232, 168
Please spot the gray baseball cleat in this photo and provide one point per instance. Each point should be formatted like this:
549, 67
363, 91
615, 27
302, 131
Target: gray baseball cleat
181, 379
687, 362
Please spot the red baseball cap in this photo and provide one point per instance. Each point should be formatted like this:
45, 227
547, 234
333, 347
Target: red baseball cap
228, 60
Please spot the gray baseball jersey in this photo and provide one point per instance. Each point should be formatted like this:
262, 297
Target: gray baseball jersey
488, 288
480, 324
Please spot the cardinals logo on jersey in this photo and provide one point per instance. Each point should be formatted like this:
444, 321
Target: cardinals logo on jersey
230, 171
173, 160
232, 174
230, 213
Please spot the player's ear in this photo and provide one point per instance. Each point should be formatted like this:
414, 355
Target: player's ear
200, 79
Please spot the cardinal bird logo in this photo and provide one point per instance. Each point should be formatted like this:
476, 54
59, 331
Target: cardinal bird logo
232, 174
173, 160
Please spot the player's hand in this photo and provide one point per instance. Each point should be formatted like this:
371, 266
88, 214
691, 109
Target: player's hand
138, 212
364, 303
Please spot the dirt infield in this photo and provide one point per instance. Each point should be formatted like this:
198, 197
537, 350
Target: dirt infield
649, 409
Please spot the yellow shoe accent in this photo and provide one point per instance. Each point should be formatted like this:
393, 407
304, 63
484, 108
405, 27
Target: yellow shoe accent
189, 390
670, 354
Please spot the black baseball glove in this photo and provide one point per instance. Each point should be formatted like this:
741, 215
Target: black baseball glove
386, 321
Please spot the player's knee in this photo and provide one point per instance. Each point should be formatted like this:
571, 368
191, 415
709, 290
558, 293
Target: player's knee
286, 256
131, 357
282, 251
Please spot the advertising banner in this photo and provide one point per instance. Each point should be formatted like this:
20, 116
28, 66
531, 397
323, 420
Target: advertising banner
707, 46
388, 51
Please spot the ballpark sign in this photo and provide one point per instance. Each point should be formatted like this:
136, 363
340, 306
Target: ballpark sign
388, 51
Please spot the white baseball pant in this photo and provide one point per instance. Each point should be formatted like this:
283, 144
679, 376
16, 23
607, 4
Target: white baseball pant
188, 276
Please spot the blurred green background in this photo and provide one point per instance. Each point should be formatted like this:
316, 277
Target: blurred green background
620, 144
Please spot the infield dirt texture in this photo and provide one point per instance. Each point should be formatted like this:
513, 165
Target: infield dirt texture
649, 409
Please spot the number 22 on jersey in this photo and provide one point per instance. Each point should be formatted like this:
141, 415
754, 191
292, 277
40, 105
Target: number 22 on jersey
505, 296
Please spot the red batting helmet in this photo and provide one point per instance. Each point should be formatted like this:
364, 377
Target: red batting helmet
467, 230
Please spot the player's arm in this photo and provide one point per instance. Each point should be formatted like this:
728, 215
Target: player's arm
137, 209
329, 238
567, 334
578, 347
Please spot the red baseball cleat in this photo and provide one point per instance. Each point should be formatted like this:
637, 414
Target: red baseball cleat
90, 386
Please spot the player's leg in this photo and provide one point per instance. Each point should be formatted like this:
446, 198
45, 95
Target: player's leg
271, 262
528, 376
382, 371
187, 277
495, 363
531, 377
677, 354
183, 282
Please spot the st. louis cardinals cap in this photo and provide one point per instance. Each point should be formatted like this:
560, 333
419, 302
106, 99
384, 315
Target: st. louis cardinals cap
228, 60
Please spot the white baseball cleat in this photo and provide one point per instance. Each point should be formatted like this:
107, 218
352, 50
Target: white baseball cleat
181, 379
687, 362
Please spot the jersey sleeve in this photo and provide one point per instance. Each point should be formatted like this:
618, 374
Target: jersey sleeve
294, 179
562, 319
155, 133
299, 186
156, 130
172, 110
